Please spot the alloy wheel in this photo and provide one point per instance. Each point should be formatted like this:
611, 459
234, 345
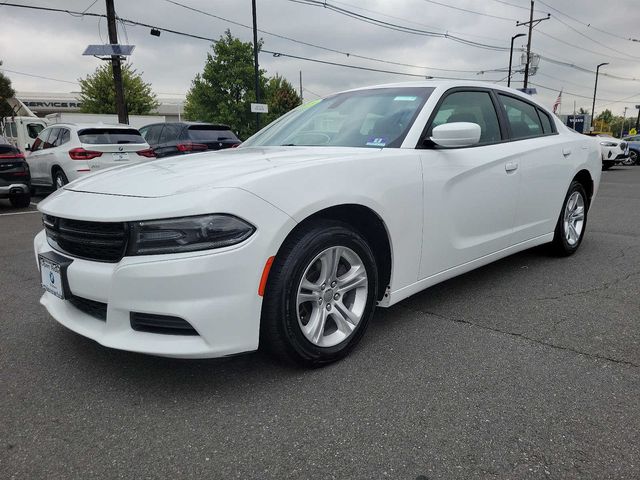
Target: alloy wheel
332, 296
574, 218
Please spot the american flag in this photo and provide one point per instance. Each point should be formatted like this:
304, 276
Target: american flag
557, 103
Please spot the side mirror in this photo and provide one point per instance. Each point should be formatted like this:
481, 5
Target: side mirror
456, 134
27, 147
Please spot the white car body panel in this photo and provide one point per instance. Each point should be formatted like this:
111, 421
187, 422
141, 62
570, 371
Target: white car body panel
445, 213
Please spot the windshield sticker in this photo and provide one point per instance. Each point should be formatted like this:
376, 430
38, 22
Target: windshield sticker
402, 98
377, 142
310, 104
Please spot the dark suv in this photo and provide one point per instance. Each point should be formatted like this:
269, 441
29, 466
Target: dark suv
15, 177
180, 138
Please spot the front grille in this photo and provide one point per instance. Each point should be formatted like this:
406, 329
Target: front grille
101, 241
152, 323
90, 307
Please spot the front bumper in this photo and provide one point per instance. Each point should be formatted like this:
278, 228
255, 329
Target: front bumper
215, 291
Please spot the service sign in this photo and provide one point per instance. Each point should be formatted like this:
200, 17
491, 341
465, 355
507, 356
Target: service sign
259, 108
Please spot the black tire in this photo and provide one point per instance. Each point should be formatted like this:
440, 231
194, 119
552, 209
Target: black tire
560, 245
635, 156
20, 201
607, 165
280, 331
33, 191
59, 179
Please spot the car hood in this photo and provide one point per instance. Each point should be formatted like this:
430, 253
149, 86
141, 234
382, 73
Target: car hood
187, 173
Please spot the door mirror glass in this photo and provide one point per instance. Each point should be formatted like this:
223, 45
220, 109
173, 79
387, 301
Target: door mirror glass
456, 134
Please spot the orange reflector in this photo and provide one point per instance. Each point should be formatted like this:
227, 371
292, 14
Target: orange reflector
265, 276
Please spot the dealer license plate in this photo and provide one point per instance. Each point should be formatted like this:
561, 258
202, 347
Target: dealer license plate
52, 276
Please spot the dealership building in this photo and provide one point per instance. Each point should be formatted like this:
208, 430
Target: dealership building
43, 103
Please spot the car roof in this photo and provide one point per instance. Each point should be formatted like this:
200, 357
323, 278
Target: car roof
81, 126
218, 126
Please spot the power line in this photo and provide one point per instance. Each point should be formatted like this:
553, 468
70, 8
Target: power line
607, 55
275, 54
475, 12
341, 52
37, 76
588, 25
397, 27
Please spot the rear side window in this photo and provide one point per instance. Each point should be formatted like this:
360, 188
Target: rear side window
522, 116
170, 133
63, 137
546, 122
110, 136
474, 107
209, 133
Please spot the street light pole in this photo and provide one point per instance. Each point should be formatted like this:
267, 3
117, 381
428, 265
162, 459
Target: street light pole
595, 89
511, 56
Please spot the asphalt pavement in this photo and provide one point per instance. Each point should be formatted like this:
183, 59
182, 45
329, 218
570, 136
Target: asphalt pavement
526, 368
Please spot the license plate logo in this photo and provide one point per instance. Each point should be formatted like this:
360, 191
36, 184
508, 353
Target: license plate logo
51, 277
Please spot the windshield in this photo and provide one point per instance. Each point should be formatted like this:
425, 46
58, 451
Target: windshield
373, 118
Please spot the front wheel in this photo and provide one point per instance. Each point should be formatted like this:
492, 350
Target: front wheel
320, 294
572, 221
633, 156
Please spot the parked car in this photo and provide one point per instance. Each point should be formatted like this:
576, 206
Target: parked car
634, 148
65, 152
180, 138
15, 179
291, 240
614, 151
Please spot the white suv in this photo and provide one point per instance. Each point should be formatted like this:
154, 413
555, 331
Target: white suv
64, 152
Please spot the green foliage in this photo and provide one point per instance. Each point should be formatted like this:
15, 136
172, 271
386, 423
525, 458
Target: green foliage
223, 92
98, 93
6, 92
281, 97
606, 116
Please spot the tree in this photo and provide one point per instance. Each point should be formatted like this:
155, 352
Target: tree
605, 116
281, 97
583, 111
223, 92
6, 92
98, 94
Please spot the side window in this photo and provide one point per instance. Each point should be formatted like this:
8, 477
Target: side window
14, 130
153, 134
522, 116
474, 107
143, 131
39, 142
62, 138
546, 122
51, 138
170, 133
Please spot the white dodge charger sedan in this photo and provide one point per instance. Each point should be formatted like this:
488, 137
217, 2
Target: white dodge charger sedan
289, 242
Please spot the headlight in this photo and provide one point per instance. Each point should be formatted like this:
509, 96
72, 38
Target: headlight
608, 144
187, 234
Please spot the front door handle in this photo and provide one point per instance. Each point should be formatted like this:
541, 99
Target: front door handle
566, 152
511, 166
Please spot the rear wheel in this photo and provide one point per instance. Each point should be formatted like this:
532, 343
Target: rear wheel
20, 201
320, 296
572, 221
59, 179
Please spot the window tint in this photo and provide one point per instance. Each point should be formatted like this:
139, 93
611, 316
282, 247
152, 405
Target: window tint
523, 117
62, 138
210, 133
546, 122
170, 133
51, 138
474, 107
34, 129
153, 134
110, 136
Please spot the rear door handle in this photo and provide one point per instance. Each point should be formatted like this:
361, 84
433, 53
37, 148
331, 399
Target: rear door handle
511, 166
566, 152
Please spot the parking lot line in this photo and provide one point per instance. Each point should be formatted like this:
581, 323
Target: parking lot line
18, 213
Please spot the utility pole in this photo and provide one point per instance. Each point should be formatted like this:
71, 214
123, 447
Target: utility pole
256, 69
638, 119
595, 89
624, 120
121, 108
301, 100
530, 23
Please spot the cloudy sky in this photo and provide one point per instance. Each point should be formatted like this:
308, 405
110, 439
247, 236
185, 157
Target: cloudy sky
50, 44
